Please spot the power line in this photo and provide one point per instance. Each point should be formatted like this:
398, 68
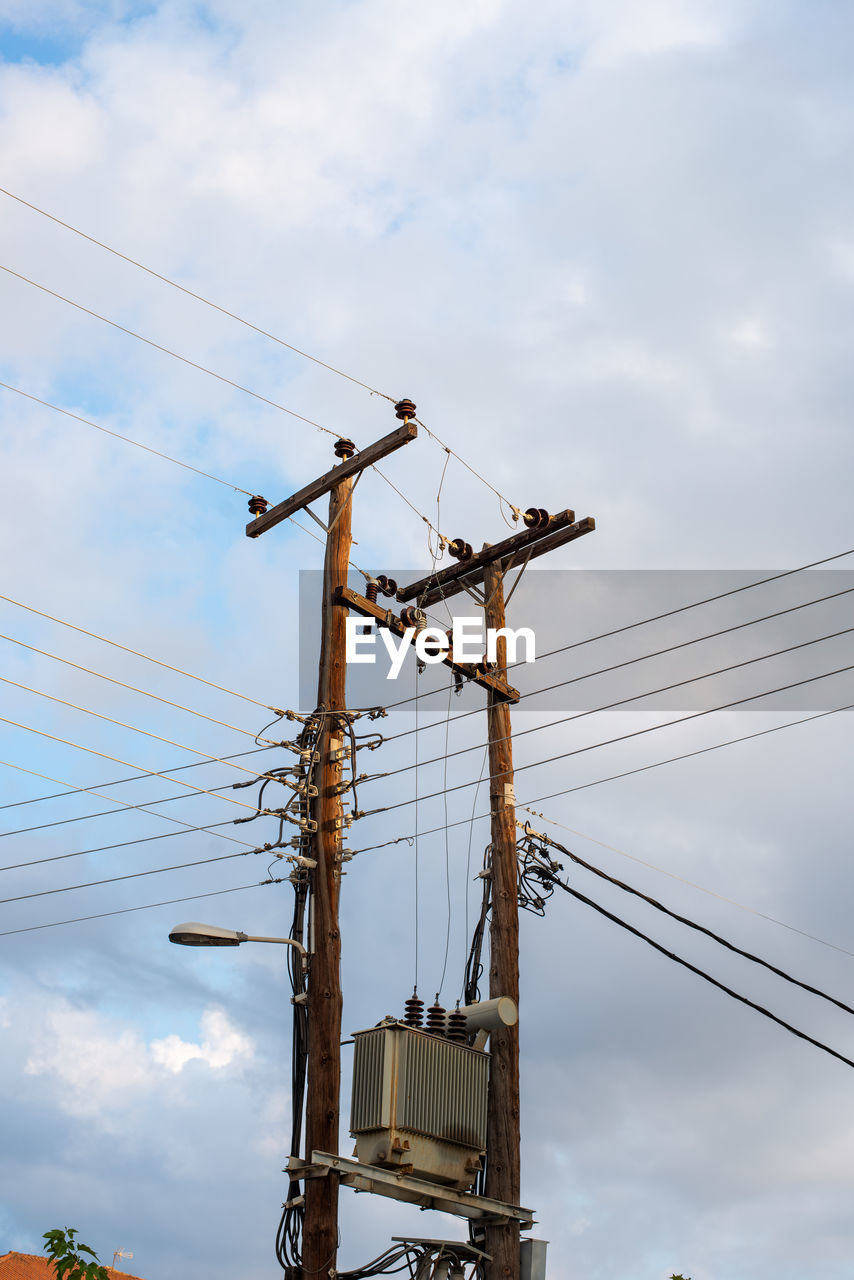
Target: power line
248, 324
610, 706
134, 777
641, 622
132, 875
122, 844
63, 702
93, 635
197, 296
167, 351
109, 813
671, 955
563, 755
148, 906
123, 804
147, 448
127, 439
133, 688
690, 924
692, 884
118, 760
613, 777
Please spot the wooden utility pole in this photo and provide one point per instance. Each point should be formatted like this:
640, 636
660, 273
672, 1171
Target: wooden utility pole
320, 1227
502, 1123
320, 1230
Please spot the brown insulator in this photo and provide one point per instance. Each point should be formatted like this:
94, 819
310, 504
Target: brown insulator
457, 1026
388, 586
371, 589
436, 1018
536, 518
404, 409
414, 1016
258, 505
460, 549
413, 617
344, 448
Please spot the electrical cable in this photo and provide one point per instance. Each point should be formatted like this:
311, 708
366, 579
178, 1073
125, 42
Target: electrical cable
197, 296
751, 1004
692, 884
122, 804
63, 702
722, 595
134, 777
118, 760
122, 844
93, 635
148, 906
132, 875
613, 777
690, 924
711, 635
148, 449
621, 702
133, 688
167, 351
636, 733
127, 439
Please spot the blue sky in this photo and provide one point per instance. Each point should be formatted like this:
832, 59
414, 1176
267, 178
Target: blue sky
607, 248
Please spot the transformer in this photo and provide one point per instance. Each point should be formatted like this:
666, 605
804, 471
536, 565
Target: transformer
419, 1104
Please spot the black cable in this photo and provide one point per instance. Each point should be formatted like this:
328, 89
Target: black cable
112, 813
751, 1004
636, 733
134, 875
134, 777
121, 844
636, 697
614, 776
691, 924
148, 906
659, 617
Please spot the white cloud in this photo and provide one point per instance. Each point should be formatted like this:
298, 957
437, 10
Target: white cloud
221, 1045
100, 1063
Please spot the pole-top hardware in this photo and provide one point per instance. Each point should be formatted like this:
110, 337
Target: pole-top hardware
344, 448
536, 518
404, 409
257, 505
460, 549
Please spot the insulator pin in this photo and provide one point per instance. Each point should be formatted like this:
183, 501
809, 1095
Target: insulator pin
414, 1015
344, 448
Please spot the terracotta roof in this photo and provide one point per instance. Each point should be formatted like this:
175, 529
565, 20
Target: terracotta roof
28, 1266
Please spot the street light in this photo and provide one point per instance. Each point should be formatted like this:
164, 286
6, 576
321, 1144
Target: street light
193, 934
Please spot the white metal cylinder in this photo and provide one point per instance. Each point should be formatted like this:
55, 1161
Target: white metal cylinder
491, 1015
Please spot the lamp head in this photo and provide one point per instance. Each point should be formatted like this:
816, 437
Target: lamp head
193, 934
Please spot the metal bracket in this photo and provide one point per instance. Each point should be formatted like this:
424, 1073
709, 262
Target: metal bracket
429, 1195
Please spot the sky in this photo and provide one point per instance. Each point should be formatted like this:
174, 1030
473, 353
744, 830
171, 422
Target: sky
608, 250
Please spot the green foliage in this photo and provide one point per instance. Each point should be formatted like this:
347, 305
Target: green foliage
679, 1277
65, 1250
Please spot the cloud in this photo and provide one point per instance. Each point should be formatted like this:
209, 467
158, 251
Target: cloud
100, 1064
221, 1045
